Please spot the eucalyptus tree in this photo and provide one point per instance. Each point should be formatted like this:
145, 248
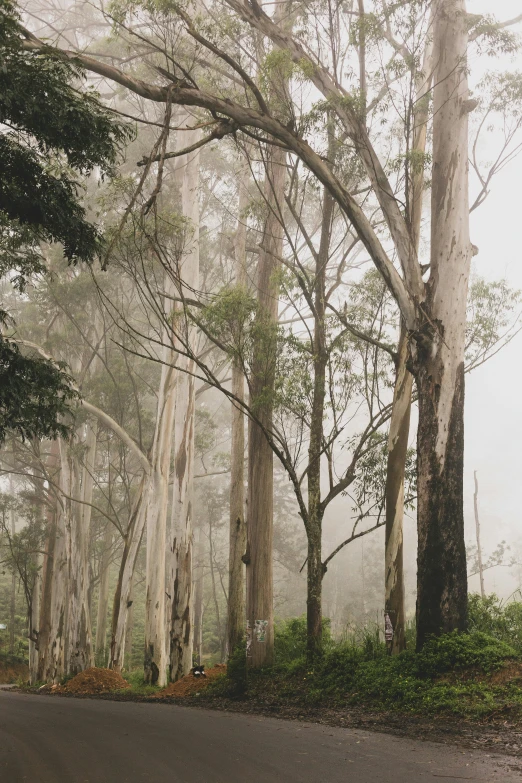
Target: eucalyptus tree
432, 311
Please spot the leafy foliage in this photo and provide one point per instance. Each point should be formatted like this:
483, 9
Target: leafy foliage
55, 130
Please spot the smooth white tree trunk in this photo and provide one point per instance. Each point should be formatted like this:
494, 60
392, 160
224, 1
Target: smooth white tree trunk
180, 586
103, 593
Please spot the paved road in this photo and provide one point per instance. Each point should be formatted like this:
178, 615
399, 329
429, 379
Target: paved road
46, 739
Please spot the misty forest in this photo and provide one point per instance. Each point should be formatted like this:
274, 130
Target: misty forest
243, 293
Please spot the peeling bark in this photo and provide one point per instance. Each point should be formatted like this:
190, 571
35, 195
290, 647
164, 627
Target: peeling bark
394, 599
103, 594
441, 573
182, 612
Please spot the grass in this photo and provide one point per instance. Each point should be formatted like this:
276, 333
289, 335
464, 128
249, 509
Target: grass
474, 675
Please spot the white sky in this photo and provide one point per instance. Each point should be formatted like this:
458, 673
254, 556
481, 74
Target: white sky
493, 394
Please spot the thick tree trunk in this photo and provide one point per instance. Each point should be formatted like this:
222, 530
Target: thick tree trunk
441, 572
259, 571
237, 529
103, 596
55, 660
155, 664
34, 619
44, 622
78, 526
180, 586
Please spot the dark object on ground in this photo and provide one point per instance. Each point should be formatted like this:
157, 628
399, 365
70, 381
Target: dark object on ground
198, 671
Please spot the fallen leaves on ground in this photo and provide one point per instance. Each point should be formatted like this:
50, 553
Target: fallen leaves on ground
95, 680
189, 685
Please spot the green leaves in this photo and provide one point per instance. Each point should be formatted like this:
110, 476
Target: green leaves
34, 395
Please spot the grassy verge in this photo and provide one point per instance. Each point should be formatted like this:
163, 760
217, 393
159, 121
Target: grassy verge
476, 676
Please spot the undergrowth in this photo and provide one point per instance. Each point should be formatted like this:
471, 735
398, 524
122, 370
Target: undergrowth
458, 673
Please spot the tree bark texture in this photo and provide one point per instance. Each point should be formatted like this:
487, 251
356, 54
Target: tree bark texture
78, 523
314, 523
259, 571
155, 663
198, 597
181, 587
477, 531
55, 661
395, 470
103, 595
122, 595
441, 572
237, 529
394, 600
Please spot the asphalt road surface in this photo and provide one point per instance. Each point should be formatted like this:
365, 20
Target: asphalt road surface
48, 739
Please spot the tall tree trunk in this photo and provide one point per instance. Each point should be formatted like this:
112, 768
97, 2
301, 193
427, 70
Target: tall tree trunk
237, 529
122, 595
441, 571
80, 653
394, 608
198, 598
394, 601
55, 661
259, 569
44, 620
315, 571
103, 595
477, 531
129, 631
34, 618
12, 595
180, 587
155, 664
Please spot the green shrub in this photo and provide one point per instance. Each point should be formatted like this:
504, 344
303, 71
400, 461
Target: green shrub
290, 640
491, 616
237, 675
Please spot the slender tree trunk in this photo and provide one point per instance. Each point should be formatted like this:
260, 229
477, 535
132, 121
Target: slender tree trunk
180, 586
122, 595
103, 595
237, 529
441, 571
477, 530
397, 449
394, 602
44, 623
12, 596
129, 632
198, 599
34, 619
315, 571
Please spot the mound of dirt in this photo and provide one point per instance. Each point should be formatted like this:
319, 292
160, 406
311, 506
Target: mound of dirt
95, 680
189, 685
